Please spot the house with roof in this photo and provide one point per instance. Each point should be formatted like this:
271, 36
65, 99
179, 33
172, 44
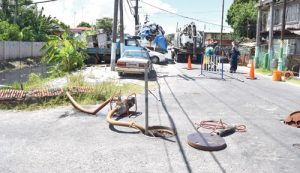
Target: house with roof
291, 45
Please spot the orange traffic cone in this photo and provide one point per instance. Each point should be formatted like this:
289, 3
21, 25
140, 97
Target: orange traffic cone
251, 72
189, 67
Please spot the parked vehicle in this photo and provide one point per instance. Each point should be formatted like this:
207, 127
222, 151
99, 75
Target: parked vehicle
188, 42
134, 62
99, 48
157, 57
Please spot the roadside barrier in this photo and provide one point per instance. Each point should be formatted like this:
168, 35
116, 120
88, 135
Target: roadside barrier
214, 63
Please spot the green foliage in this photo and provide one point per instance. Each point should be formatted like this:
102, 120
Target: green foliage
105, 24
27, 34
101, 92
84, 24
9, 31
64, 53
32, 23
242, 16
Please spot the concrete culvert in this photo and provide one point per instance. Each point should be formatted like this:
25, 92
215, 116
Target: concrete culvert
293, 119
160, 131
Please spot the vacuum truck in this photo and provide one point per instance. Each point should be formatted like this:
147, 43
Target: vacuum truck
188, 42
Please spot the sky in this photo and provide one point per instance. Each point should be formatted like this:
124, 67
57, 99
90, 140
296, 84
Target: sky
72, 12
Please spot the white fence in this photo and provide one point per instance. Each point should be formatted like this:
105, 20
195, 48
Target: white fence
18, 49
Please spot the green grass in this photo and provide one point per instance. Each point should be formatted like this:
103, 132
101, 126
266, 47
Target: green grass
263, 71
101, 92
294, 81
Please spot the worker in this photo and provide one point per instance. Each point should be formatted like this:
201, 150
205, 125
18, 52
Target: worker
234, 55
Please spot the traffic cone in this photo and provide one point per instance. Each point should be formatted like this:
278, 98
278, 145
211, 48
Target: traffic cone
251, 72
189, 67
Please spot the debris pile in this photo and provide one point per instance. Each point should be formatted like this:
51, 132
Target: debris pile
12, 96
153, 33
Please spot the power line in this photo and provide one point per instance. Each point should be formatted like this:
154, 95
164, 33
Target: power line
40, 2
186, 17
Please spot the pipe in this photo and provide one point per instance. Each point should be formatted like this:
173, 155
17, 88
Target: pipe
80, 108
110, 120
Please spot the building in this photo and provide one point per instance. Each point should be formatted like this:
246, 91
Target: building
212, 37
79, 30
291, 51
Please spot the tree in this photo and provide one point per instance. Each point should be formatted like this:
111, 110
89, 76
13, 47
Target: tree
242, 16
34, 25
84, 24
64, 53
105, 24
9, 31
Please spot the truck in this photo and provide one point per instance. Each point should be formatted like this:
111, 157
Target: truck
99, 47
188, 42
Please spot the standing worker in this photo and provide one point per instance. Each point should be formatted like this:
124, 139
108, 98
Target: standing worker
235, 53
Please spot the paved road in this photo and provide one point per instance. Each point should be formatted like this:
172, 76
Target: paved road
64, 140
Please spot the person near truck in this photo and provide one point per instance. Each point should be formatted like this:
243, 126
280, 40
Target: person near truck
234, 55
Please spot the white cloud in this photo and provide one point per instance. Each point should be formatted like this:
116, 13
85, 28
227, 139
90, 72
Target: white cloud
72, 12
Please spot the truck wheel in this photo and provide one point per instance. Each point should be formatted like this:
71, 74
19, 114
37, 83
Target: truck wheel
172, 55
155, 60
176, 57
120, 74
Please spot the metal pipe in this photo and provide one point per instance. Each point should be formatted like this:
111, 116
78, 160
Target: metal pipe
258, 28
122, 43
114, 37
110, 120
222, 25
80, 108
146, 100
270, 51
280, 60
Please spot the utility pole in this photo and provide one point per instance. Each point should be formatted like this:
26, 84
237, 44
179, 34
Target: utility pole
114, 37
270, 51
258, 28
221, 39
280, 60
16, 11
122, 42
136, 16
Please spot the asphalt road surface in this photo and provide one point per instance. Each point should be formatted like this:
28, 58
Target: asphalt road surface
64, 140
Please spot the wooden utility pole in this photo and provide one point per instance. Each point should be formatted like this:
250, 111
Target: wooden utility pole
114, 37
280, 60
16, 11
122, 42
221, 39
136, 16
258, 29
270, 50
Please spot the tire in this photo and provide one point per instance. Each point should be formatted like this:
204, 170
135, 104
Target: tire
120, 74
176, 57
155, 60
172, 55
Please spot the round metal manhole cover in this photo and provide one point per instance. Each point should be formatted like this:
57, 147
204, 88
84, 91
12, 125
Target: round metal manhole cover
296, 146
206, 141
161, 131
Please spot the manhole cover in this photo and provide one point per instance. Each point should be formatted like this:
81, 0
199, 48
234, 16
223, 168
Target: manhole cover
293, 119
161, 131
296, 146
206, 141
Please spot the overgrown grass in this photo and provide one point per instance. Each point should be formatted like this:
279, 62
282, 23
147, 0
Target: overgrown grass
101, 92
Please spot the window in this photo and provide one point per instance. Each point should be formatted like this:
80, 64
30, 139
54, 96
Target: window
292, 13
